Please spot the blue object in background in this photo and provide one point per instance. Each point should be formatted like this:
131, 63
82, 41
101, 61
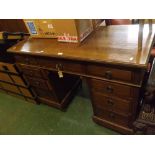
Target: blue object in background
32, 27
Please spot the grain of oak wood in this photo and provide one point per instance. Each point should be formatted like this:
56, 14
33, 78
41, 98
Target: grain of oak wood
112, 44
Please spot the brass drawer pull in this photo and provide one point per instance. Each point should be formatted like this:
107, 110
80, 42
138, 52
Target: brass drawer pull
108, 75
110, 102
59, 67
109, 89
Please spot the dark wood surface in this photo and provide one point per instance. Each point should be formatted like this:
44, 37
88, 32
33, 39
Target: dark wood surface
110, 61
112, 44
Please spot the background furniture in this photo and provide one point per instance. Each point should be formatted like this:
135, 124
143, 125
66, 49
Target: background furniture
13, 25
11, 81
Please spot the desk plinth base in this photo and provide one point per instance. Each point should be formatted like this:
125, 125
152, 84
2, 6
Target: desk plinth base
116, 127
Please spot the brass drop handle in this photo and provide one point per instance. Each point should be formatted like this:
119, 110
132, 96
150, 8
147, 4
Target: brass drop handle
109, 89
110, 102
59, 67
108, 75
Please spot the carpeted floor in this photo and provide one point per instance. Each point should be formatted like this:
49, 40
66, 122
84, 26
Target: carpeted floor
20, 117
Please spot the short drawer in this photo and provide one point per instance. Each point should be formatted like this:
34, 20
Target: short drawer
62, 65
24, 59
112, 117
39, 83
112, 104
114, 73
31, 71
113, 89
72, 67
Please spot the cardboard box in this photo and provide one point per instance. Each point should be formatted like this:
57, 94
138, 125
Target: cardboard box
73, 30
40, 28
65, 30
96, 22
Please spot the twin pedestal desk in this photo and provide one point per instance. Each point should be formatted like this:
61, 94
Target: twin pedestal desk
109, 60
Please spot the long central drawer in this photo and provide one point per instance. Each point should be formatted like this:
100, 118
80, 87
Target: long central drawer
53, 64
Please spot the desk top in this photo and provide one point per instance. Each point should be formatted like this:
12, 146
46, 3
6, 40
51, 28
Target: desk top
111, 44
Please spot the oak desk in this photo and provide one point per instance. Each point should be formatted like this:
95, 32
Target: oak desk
108, 59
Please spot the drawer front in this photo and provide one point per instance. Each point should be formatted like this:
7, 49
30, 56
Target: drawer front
31, 71
112, 117
18, 80
5, 77
24, 59
113, 73
117, 90
49, 95
47, 63
112, 104
39, 83
72, 67
62, 65
7, 67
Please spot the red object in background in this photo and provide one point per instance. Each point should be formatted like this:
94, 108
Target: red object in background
120, 21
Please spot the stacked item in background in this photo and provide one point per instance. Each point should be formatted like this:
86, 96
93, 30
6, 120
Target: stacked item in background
11, 81
145, 123
65, 30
